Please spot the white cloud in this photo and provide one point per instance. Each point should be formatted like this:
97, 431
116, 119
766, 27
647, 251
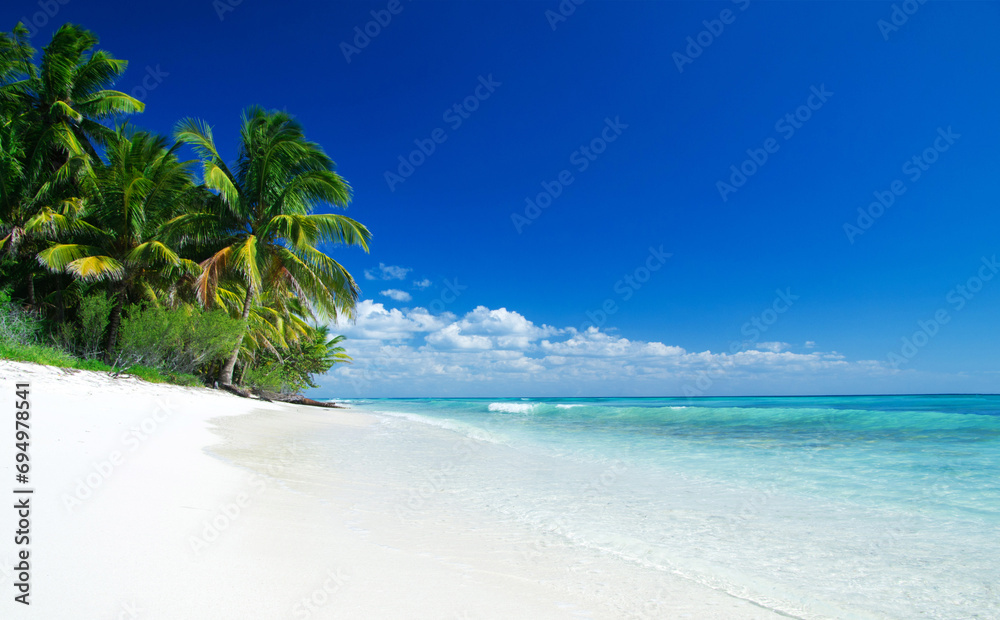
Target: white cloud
376, 325
387, 272
496, 351
451, 337
425, 283
503, 328
395, 293
774, 347
810, 344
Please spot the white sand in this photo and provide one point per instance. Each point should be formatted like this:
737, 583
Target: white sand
137, 540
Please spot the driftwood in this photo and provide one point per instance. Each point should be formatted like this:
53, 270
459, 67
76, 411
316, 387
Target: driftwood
232, 389
301, 400
275, 396
295, 400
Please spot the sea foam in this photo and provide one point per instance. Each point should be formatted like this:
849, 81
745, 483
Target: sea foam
512, 407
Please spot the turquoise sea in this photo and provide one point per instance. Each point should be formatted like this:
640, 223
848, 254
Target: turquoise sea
842, 507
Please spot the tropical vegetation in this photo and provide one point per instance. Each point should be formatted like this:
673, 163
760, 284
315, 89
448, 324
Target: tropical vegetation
117, 252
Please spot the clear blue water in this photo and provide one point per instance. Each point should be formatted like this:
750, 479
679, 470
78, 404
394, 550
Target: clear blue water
845, 507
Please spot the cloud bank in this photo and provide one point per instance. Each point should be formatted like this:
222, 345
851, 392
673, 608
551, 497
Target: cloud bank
499, 352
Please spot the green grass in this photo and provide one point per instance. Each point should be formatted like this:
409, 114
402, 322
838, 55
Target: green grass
53, 356
155, 376
39, 354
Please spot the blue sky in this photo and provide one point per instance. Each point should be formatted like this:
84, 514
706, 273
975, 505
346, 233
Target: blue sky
865, 96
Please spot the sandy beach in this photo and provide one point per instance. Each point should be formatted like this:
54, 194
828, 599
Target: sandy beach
159, 501
672, 310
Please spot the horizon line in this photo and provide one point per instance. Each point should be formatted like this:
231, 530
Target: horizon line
690, 397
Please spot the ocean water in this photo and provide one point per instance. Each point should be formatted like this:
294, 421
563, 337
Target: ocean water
817, 507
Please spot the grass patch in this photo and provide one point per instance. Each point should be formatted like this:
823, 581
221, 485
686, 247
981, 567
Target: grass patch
96, 365
39, 354
54, 356
155, 376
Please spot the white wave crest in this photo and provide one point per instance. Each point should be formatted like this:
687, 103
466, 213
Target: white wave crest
512, 407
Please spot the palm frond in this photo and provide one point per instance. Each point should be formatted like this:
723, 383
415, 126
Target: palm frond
58, 257
96, 268
152, 253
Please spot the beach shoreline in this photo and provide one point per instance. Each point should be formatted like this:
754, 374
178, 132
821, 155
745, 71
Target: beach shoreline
158, 501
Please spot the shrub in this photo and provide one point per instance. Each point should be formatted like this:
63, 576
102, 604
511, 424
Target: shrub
178, 341
175, 341
270, 376
155, 376
293, 372
17, 326
86, 338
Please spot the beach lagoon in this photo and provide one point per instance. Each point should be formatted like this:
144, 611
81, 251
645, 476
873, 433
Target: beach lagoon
845, 507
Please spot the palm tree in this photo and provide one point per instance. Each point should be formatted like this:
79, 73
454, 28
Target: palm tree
15, 68
142, 186
264, 223
70, 97
52, 118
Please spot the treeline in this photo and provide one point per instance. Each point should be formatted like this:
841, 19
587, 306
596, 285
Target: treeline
114, 250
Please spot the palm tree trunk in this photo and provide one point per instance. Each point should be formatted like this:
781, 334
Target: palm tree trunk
243, 373
31, 291
61, 308
113, 323
226, 374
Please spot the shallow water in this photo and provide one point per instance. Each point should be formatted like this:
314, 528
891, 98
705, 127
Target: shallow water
846, 507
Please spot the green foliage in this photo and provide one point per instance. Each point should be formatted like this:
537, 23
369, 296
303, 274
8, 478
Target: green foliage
178, 341
86, 336
39, 354
16, 325
95, 365
262, 219
96, 215
155, 376
53, 356
141, 185
292, 372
